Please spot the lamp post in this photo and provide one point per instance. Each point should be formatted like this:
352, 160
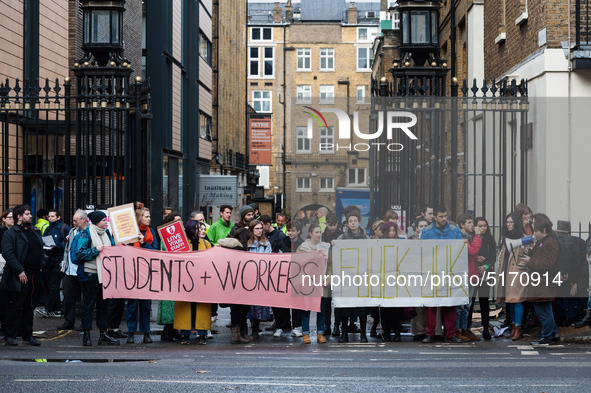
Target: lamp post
103, 30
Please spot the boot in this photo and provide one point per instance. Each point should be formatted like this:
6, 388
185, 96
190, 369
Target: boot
306, 339
518, 333
461, 336
105, 339
320, 339
397, 337
235, 335
255, 328
86, 341
175, 335
585, 321
486, 332
512, 332
336, 332
386, 333
243, 333
363, 329
147, 338
468, 333
165, 335
344, 337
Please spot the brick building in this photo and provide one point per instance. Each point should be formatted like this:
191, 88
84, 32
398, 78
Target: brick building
317, 55
530, 39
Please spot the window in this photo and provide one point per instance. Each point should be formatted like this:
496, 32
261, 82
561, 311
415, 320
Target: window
204, 48
356, 177
253, 61
304, 59
303, 184
261, 101
261, 34
268, 61
326, 140
366, 34
303, 142
326, 94
364, 58
204, 126
326, 184
327, 59
304, 94
268, 56
361, 94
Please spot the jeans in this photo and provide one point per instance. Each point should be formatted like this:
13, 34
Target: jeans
448, 317
462, 316
516, 313
92, 293
145, 307
544, 313
319, 318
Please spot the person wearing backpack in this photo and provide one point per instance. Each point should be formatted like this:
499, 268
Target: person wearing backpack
86, 248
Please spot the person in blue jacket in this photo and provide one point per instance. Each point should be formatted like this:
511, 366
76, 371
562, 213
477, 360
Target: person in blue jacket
441, 229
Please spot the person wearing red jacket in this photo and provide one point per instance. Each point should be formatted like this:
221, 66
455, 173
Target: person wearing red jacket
471, 234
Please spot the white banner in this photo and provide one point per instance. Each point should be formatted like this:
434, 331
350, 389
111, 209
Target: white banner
399, 273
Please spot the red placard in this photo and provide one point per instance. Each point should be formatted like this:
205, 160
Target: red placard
260, 141
173, 236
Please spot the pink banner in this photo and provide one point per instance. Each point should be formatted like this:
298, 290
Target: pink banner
216, 275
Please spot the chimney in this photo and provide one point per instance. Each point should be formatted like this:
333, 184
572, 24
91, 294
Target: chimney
277, 13
288, 12
352, 14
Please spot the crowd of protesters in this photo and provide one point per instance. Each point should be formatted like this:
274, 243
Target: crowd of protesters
40, 259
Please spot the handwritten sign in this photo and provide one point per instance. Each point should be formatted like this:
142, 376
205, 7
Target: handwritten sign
399, 273
123, 224
216, 275
173, 236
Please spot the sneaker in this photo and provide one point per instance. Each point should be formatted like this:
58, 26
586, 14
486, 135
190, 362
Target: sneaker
41, 311
130, 338
214, 318
454, 340
278, 333
65, 326
202, 340
11, 341
544, 341
555, 340
209, 336
296, 332
54, 314
428, 340
117, 334
32, 341
147, 338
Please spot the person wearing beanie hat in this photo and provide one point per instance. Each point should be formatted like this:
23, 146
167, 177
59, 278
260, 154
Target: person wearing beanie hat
240, 230
88, 244
97, 216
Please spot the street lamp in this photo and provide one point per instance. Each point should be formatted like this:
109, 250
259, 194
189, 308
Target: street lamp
103, 28
419, 28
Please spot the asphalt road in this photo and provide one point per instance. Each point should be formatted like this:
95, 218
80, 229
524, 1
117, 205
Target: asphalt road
286, 365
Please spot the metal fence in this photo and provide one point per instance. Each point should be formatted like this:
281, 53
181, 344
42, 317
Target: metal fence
67, 151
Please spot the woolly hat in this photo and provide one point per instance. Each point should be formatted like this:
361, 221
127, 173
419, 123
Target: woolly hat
96, 216
254, 205
244, 210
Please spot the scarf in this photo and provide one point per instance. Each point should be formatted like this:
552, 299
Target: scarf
359, 235
98, 236
148, 238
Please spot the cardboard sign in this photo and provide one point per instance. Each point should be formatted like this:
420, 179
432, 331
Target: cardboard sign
216, 275
173, 236
400, 273
123, 224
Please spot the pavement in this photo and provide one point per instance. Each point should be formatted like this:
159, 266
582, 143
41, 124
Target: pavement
46, 330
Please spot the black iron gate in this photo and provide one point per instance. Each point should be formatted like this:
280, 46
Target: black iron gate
69, 151
470, 153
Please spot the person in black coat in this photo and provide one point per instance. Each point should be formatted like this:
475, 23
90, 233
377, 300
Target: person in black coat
52, 274
22, 248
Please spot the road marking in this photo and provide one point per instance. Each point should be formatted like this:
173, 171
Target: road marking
232, 383
55, 380
526, 347
530, 353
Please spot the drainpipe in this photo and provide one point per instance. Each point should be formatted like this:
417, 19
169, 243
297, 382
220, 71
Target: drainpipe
569, 126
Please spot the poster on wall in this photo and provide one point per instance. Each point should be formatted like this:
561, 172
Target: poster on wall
260, 141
